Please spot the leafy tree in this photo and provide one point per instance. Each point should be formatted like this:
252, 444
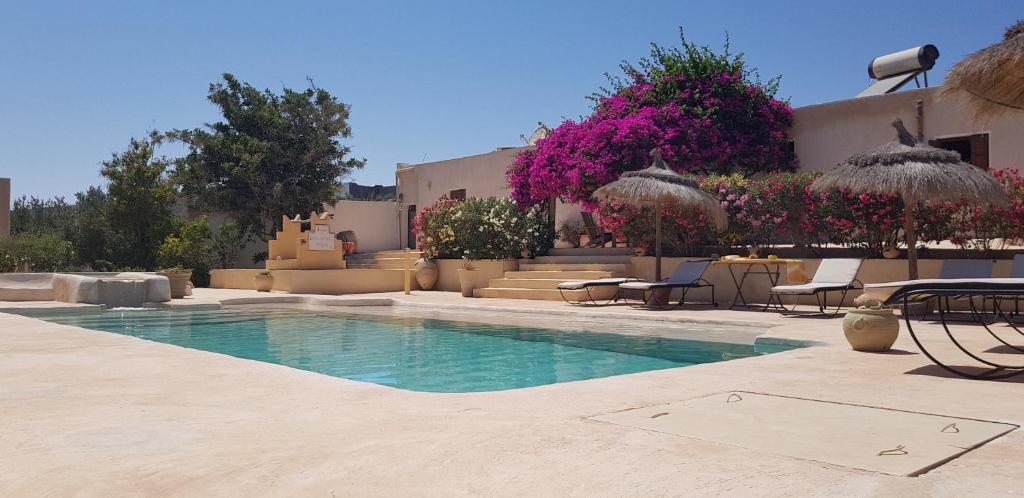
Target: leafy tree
91, 227
226, 242
272, 154
137, 211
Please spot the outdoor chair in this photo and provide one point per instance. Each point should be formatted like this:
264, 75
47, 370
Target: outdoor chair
909, 292
1016, 271
598, 237
953, 269
833, 275
587, 285
688, 275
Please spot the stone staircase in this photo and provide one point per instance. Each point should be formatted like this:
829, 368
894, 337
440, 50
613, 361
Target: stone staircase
381, 260
538, 278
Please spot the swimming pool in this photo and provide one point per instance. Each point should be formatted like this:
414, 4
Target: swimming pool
418, 354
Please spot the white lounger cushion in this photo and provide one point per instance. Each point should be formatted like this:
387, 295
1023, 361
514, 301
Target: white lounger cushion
597, 282
809, 288
834, 270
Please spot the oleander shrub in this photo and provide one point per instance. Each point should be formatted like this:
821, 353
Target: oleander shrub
483, 229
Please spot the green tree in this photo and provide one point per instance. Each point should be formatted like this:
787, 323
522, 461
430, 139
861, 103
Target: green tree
137, 211
273, 154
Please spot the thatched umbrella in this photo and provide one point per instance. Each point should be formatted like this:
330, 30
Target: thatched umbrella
658, 186
916, 172
992, 79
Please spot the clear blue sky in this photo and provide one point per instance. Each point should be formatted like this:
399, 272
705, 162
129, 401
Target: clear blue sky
426, 80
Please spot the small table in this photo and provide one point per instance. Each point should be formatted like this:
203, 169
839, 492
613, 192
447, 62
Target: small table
766, 266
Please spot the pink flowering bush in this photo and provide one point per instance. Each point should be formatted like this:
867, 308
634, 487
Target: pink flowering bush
683, 233
705, 111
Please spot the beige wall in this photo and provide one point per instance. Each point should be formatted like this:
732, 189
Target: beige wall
482, 175
826, 134
5, 207
374, 222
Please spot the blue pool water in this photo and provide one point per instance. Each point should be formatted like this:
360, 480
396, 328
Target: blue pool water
410, 353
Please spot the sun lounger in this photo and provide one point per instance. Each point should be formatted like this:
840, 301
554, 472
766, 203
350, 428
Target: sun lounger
910, 291
597, 236
688, 275
587, 285
833, 275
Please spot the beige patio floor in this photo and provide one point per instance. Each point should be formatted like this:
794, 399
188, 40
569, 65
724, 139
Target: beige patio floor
95, 414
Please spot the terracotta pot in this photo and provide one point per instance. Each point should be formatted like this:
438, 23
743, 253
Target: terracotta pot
872, 330
263, 282
660, 297
525, 254
179, 283
639, 251
891, 252
468, 281
426, 273
754, 251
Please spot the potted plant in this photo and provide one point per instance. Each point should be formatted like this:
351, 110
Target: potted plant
180, 280
569, 233
263, 281
468, 278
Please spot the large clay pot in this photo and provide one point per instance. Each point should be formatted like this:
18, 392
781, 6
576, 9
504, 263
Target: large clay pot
891, 252
468, 281
263, 282
660, 296
872, 330
426, 273
179, 283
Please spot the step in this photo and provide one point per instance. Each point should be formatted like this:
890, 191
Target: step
526, 283
599, 294
612, 267
591, 251
388, 263
385, 255
613, 259
564, 275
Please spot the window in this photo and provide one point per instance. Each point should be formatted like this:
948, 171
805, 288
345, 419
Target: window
457, 195
972, 148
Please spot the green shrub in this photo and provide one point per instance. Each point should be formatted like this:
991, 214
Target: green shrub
483, 229
39, 252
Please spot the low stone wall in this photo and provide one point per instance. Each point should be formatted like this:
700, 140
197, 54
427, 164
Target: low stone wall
755, 289
448, 271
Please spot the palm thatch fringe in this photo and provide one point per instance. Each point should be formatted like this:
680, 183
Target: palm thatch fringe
991, 79
914, 171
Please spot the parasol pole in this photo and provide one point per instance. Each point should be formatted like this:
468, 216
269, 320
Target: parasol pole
657, 240
910, 234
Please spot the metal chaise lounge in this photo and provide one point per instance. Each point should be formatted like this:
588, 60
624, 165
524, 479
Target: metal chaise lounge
688, 275
908, 292
833, 275
587, 285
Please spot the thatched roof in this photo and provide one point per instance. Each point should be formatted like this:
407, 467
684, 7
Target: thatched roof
915, 171
659, 184
992, 79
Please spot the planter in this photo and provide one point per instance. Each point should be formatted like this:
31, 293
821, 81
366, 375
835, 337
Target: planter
426, 273
468, 281
754, 251
179, 283
263, 282
891, 252
871, 330
639, 251
660, 297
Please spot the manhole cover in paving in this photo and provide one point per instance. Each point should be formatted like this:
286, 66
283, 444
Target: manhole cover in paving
862, 437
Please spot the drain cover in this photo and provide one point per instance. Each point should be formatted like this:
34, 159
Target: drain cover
862, 437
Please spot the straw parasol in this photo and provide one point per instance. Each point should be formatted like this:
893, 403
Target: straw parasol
658, 186
992, 79
917, 173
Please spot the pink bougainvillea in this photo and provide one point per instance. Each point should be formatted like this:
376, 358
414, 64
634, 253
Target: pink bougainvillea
716, 122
